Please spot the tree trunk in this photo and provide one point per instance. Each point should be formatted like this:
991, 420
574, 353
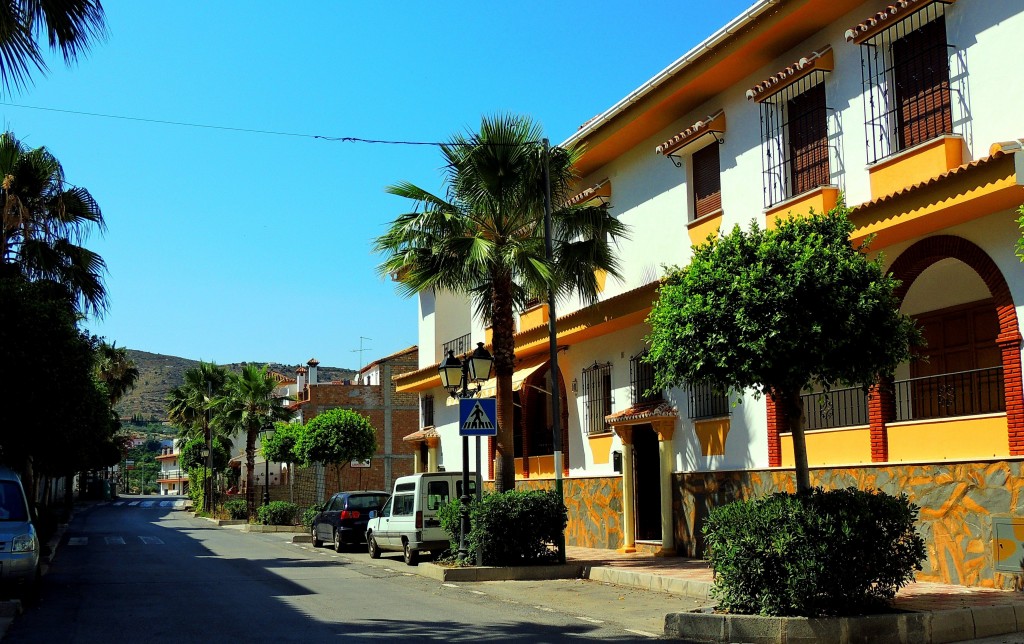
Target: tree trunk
503, 329
250, 465
795, 418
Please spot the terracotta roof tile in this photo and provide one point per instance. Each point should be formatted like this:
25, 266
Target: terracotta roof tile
890, 14
659, 409
820, 59
423, 434
690, 134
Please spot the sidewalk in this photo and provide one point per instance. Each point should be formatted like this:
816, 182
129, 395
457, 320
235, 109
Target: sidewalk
693, 578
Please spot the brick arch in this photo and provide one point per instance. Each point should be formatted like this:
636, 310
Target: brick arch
926, 252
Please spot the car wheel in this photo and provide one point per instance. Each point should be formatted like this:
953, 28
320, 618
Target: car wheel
316, 540
371, 546
338, 545
412, 557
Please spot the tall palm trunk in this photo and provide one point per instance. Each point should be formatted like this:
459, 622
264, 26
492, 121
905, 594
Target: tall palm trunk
503, 328
250, 465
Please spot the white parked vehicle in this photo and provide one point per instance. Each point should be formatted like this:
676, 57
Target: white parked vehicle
408, 521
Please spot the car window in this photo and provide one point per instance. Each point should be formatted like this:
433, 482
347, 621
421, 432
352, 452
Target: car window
365, 502
472, 488
386, 510
337, 504
403, 504
437, 494
12, 502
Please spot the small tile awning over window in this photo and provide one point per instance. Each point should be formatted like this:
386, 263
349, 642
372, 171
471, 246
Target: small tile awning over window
645, 413
602, 191
888, 16
422, 435
712, 124
820, 60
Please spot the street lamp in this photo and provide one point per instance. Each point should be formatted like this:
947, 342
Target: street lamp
206, 497
455, 378
265, 433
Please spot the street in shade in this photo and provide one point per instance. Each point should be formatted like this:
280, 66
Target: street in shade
141, 569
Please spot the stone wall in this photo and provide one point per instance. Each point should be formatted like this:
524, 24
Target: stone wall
958, 502
594, 507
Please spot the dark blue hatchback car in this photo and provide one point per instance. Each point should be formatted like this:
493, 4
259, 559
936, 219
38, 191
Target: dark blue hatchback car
342, 520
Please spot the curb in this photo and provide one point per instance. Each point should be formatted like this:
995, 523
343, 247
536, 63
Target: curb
488, 573
693, 588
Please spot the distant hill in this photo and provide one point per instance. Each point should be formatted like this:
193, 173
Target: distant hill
159, 373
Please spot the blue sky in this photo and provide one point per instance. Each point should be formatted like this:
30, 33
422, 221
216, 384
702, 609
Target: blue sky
231, 246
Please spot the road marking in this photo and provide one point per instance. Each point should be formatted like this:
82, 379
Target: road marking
151, 541
148, 504
590, 619
478, 592
133, 503
450, 585
167, 504
78, 541
119, 503
644, 633
545, 608
179, 504
114, 541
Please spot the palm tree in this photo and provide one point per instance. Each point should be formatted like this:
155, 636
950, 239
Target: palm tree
70, 25
117, 371
44, 220
247, 405
486, 239
189, 404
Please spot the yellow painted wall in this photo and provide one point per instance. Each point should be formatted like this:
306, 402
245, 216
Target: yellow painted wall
540, 467
831, 447
601, 448
700, 229
712, 435
917, 164
536, 316
821, 200
955, 439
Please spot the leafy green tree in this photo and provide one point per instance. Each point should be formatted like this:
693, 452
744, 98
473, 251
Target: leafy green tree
485, 239
190, 454
337, 437
44, 220
1020, 242
71, 26
280, 447
780, 311
247, 405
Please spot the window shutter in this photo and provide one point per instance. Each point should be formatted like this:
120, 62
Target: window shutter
921, 76
707, 181
808, 140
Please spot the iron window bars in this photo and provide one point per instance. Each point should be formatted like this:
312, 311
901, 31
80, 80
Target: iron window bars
641, 381
705, 402
597, 397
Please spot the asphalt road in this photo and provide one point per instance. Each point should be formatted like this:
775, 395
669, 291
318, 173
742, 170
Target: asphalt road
153, 574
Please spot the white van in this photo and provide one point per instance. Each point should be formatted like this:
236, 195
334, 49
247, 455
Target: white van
408, 521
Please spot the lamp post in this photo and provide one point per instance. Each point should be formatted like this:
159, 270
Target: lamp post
206, 497
266, 431
456, 376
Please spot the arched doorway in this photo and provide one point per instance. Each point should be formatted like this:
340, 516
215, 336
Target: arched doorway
535, 439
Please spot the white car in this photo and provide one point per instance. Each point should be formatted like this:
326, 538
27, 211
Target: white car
19, 543
408, 521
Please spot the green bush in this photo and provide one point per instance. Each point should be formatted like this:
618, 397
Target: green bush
197, 487
835, 552
277, 513
450, 515
512, 528
308, 514
237, 509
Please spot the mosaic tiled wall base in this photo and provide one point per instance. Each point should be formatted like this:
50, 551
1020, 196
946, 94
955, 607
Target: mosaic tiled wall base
594, 507
958, 502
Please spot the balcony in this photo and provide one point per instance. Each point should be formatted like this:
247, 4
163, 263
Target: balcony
459, 346
965, 393
836, 408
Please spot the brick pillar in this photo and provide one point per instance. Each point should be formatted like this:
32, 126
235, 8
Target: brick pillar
1013, 392
881, 412
776, 423
526, 399
490, 457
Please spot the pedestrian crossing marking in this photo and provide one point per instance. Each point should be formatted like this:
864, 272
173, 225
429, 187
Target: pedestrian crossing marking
151, 541
148, 504
78, 541
119, 503
114, 541
133, 504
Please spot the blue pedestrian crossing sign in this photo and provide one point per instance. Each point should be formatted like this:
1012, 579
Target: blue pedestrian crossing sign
478, 417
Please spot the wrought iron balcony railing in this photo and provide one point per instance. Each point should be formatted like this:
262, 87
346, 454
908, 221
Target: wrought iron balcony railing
836, 408
458, 346
965, 393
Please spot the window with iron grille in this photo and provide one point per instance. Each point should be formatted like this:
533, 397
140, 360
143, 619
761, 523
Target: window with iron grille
795, 139
707, 181
427, 410
906, 75
705, 402
641, 381
597, 397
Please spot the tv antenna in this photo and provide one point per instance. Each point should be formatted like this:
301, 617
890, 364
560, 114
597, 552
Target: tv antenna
360, 352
